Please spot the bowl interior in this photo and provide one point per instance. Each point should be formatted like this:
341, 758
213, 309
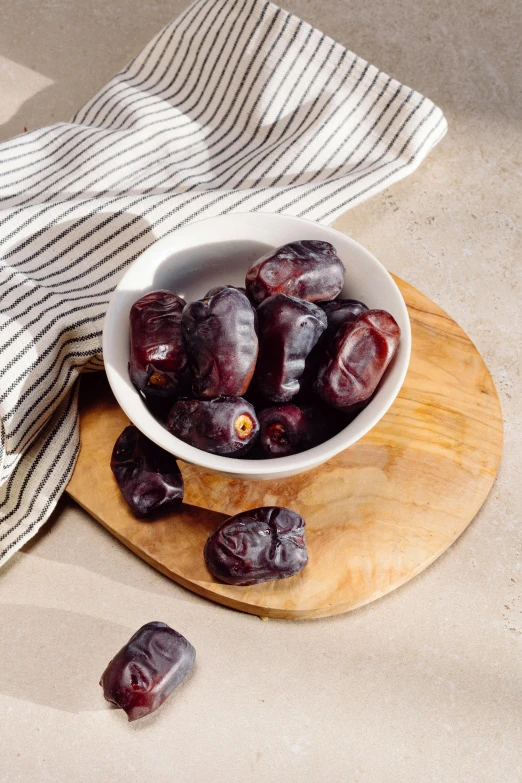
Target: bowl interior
194, 271
220, 250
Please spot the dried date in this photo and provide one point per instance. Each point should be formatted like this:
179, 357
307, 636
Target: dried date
339, 312
309, 270
148, 477
290, 429
257, 546
147, 669
356, 360
158, 358
288, 330
223, 425
222, 343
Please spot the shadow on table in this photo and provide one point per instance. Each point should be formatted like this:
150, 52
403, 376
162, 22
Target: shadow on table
75, 49
55, 657
72, 537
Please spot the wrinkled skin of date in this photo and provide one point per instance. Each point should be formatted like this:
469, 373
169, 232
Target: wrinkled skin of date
158, 359
257, 546
219, 288
148, 477
356, 360
309, 270
288, 330
222, 343
339, 312
223, 425
290, 429
146, 671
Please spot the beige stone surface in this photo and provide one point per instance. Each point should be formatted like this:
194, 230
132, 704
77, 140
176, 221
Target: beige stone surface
422, 686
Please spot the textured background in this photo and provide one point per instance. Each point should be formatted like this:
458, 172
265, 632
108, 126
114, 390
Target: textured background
421, 686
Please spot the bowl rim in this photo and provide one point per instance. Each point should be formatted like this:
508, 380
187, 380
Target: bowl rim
155, 431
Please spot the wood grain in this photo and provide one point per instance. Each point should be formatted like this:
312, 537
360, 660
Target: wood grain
376, 515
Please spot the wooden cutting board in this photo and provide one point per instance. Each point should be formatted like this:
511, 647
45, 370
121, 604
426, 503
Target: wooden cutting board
376, 515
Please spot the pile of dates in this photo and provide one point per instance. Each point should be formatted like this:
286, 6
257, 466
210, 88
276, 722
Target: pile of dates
267, 370
264, 371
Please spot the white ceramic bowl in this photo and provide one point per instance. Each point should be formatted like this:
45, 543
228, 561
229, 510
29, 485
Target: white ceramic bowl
219, 250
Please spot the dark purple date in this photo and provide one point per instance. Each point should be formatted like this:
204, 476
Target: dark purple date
339, 312
219, 288
290, 429
146, 671
158, 359
310, 270
356, 359
148, 477
223, 425
288, 330
222, 344
257, 546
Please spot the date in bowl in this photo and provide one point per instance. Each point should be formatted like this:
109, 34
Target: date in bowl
219, 251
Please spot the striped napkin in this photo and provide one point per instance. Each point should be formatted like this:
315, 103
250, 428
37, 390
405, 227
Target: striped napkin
237, 105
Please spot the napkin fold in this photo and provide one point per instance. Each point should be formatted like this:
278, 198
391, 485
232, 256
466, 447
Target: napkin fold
235, 106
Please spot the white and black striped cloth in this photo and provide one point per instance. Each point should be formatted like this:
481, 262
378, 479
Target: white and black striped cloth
235, 106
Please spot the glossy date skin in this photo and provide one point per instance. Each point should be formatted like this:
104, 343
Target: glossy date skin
147, 669
219, 288
257, 546
288, 330
148, 477
223, 425
356, 360
158, 359
222, 344
339, 312
309, 270
290, 429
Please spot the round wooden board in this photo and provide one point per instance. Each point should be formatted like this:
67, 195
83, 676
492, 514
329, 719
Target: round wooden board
376, 515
